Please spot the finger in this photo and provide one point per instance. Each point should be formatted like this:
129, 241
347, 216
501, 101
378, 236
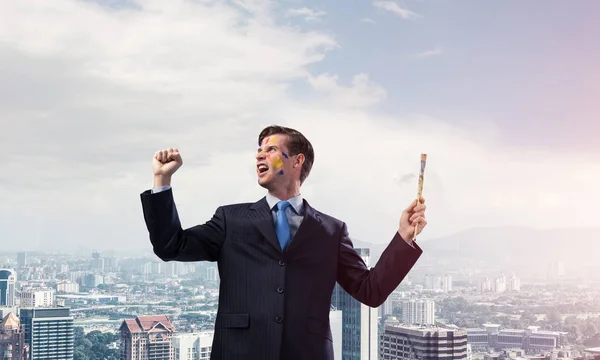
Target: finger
420, 207
414, 204
416, 216
411, 206
419, 221
164, 155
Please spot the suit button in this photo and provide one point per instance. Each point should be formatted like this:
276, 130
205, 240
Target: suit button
280, 290
279, 319
281, 263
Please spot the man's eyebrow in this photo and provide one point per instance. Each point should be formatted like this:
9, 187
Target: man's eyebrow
268, 147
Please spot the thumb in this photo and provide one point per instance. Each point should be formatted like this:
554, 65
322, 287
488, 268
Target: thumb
411, 206
176, 156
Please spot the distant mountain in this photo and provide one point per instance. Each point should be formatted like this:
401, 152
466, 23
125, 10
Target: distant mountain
520, 242
514, 247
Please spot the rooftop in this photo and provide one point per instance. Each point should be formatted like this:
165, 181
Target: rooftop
148, 323
10, 322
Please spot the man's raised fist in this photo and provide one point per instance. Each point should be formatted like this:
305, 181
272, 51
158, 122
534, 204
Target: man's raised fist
165, 162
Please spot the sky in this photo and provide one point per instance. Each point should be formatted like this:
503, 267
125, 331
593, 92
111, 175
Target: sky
502, 96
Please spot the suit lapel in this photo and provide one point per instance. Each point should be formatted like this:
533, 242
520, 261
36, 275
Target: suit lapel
263, 220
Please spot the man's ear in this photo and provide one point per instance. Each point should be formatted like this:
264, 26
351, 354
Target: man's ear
299, 160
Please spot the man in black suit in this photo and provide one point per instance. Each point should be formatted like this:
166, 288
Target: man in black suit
278, 258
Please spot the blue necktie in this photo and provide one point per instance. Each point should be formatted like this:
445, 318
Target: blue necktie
282, 227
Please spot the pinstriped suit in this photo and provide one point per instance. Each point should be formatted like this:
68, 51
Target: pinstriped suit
274, 305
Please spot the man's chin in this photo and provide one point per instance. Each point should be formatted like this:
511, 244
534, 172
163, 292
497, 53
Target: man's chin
264, 182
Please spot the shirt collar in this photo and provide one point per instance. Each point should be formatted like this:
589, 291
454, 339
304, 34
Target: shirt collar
297, 202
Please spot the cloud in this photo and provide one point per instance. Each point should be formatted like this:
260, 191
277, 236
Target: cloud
368, 20
361, 93
429, 53
89, 93
308, 14
405, 178
395, 9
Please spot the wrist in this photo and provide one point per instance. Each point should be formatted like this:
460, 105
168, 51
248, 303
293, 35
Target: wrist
406, 236
162, 180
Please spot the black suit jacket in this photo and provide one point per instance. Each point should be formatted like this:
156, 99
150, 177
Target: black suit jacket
275, 305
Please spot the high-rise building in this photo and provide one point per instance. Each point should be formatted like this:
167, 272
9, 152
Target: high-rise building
21, 260
37, 297
499, 285
193, 346
438, 283
212, 273
48, 332
556, 270
400, 342
12, 339
67, 286
418, 312
515, 284
359, 323
485, 285
335, 323
97, 263
393, 301
8, 280
92, 280
147, 338
447, 283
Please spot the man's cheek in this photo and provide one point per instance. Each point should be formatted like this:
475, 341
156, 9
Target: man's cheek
277, 162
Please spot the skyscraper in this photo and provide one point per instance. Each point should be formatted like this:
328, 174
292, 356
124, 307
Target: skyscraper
418, 312
8, 279
335, 322
360, 337
48, 332
21, 259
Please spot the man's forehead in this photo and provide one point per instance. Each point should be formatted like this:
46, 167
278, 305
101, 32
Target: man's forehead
274, 140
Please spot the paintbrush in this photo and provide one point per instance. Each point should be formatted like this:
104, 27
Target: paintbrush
420, 191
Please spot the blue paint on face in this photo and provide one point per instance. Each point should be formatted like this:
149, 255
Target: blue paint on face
284, 155
281, 172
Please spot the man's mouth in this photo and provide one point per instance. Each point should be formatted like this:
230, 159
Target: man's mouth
262, 168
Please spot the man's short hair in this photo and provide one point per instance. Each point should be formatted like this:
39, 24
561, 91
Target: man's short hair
296, 144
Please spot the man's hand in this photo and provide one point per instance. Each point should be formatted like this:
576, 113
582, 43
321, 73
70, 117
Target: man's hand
164, 164
412, 216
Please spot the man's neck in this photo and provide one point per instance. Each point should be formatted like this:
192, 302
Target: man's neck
285, 193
